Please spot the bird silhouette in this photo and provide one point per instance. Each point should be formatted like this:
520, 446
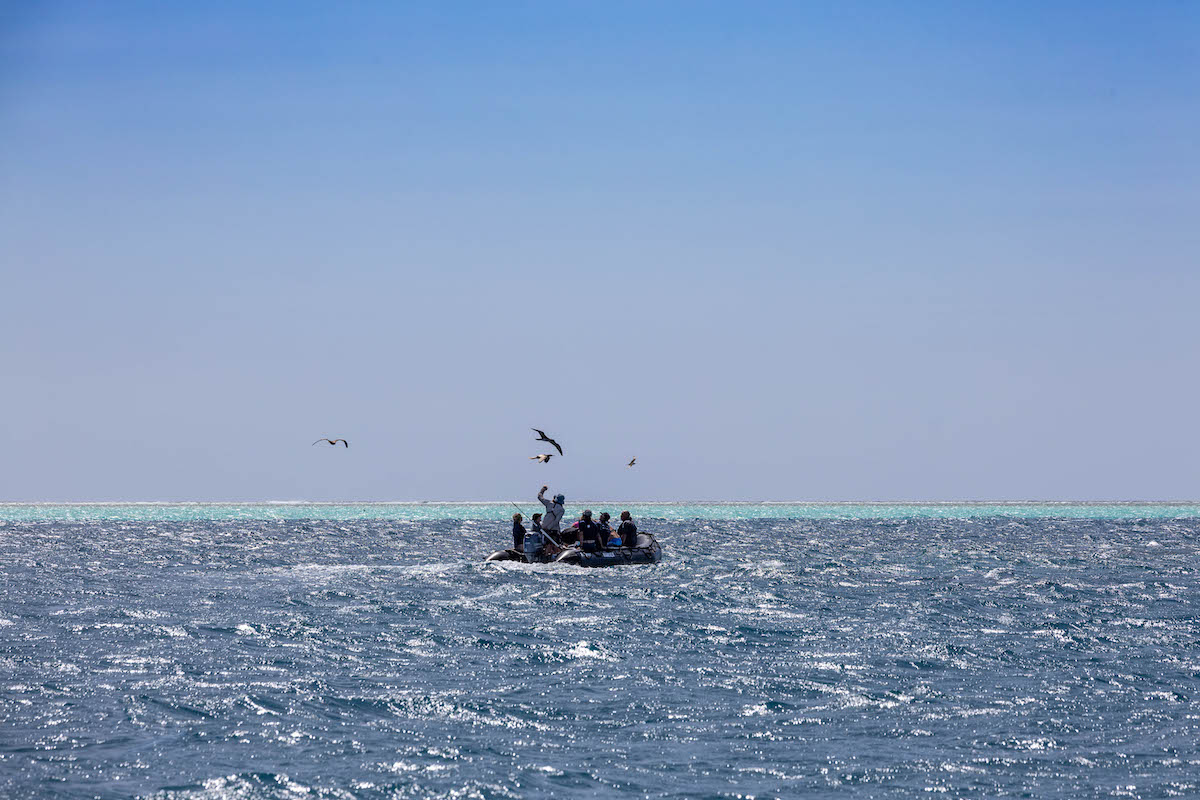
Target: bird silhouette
632, 461
333, 442
542, 437
543, 458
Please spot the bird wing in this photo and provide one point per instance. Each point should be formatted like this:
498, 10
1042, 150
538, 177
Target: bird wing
556, 446
318, 441
540, 433
535, 458
343, 441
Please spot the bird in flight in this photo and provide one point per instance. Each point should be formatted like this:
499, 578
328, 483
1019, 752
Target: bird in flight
542, 437
333, 442
543, 458
632, 461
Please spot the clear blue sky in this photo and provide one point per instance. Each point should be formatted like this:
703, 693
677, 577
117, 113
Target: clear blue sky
775, 250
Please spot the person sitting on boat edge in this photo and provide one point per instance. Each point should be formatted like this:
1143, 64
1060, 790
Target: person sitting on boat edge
518, 532
554, 513
606, 531
589, 533
627, 530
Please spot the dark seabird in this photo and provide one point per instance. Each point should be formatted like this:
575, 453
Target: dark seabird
543, 458
632, 461
542, 437
333, 442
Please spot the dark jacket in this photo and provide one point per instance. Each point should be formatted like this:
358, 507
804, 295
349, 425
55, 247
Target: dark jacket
518, 535
628, 534
589, 535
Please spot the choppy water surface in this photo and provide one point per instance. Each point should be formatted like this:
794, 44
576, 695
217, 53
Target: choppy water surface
254, 655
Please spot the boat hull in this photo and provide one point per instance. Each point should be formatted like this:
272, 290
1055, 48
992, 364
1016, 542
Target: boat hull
647, 551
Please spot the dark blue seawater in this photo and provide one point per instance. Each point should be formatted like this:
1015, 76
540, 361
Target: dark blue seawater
977, 656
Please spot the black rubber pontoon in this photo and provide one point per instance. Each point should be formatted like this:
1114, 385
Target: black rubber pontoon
647, 551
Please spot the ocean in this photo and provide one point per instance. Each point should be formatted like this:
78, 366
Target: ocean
294, 650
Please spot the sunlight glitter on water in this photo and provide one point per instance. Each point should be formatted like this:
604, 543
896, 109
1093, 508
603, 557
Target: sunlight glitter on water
877, 657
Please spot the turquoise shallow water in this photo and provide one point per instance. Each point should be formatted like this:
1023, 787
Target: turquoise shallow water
416, 512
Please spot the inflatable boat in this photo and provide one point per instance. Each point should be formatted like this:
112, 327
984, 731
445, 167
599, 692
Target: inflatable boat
647, 551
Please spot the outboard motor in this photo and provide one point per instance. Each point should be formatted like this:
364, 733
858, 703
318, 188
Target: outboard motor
533, 544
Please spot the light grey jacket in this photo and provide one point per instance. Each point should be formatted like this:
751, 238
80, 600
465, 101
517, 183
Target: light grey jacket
553, 516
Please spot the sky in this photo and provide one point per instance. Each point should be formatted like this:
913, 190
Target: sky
775, 250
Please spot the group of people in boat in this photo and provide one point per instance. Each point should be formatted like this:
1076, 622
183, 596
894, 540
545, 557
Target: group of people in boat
589, 534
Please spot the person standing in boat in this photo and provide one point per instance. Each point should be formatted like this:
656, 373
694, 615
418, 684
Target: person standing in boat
518, 533
552, 519
537, 541
627, 530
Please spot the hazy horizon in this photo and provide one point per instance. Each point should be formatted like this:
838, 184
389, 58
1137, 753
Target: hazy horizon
580, 503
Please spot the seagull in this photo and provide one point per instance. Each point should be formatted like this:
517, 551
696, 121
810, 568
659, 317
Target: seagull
542, 437
543, 458
632, 461
333, 442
